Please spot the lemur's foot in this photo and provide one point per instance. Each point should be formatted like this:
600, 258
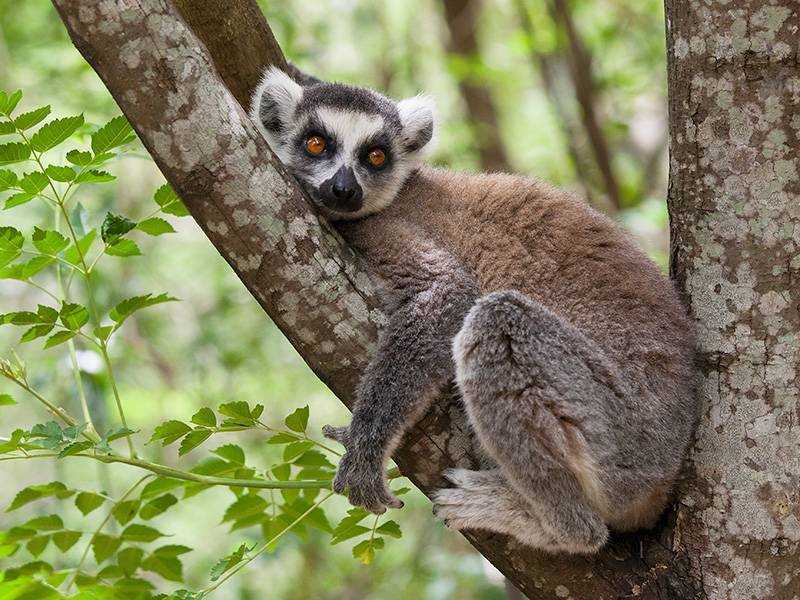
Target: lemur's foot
484, 501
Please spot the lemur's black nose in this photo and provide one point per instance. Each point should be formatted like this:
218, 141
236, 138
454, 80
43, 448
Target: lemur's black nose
342, 191
344, 184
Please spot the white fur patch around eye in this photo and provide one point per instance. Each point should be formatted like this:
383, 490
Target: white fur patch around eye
282, 94
350, 128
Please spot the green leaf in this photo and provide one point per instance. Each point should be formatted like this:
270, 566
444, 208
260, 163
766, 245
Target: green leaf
74, 316
169, 567
227, 563
205, 416
193, 440
72, 255
102, 332
140, 533
63, 174
24, 317
349, 526
169, 431
7, 400
94, 176
129, 559
8, 179
116, 132
282, 438
118, 433
114, 227
48, 241
88, 502
7, 128
37, 545
160, 485
298, 420
104, 546
13, 443
231, 453
295, 449
31, 118
36, 332
124, 512
18, 200
157, 506
155, 226
365, 551
46, 523
127, 307
9, 103
245, 506
169, 202
239, 411
59, 338
34, 182
36, 492
390, 528
10, 245
13, 152
124, 248
79, 158
47, 435
75, 448
172, 550
56, 131
66, 539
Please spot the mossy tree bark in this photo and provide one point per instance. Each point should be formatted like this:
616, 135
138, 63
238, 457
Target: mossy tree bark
183, 97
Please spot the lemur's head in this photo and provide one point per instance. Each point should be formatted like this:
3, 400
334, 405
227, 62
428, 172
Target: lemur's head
351, 148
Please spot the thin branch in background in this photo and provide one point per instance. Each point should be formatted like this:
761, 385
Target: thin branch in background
580, 63
461, 17
547, 65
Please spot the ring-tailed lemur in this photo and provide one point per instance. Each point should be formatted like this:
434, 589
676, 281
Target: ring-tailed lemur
572, 353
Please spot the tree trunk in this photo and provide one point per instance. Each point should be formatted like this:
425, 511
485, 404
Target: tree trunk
316, 291
461, 17
734, 198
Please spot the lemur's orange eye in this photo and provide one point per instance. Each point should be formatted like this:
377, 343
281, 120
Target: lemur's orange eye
315, 145
376, 157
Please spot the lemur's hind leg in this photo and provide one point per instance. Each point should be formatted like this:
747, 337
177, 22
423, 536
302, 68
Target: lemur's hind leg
543, 400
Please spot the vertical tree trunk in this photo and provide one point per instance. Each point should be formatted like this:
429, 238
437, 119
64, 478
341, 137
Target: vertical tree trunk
734, 199
461, 17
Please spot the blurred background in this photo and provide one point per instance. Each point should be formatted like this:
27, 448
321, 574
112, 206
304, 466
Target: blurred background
573, 92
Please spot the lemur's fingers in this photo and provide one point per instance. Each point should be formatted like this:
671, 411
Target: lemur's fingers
337, 434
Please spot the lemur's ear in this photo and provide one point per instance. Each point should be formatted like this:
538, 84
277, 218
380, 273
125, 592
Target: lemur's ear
418, 116
273, 103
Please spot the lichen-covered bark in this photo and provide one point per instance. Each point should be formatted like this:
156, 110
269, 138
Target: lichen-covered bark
734, 79
739, 516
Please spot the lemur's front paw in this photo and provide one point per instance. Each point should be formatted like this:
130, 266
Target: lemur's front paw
365, 485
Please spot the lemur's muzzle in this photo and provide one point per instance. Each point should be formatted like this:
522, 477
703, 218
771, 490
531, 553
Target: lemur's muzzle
342, 192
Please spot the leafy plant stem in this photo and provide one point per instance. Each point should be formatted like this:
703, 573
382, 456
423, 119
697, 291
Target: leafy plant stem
107, 361
102, 524
207, 591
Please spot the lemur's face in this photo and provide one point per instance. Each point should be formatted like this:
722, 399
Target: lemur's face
350, 148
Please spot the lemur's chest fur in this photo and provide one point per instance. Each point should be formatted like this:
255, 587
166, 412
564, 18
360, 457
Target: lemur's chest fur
517, 233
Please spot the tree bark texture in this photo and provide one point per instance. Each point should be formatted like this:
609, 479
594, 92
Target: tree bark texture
461, 17
314, 288
734, 198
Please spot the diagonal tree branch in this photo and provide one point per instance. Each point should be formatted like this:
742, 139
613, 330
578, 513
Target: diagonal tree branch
174, 91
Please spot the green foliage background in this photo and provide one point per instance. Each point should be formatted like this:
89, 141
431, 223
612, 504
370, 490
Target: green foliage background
216, 346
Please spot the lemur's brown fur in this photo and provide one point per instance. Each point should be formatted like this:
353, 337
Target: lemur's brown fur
518, 233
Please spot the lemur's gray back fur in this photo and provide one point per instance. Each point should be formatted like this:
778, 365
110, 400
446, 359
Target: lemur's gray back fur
571, 351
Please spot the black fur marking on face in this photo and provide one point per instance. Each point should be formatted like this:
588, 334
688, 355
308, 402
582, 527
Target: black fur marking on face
269, 113
382, 141
345, 97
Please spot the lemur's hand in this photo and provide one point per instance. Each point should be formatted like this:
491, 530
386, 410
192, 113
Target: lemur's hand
363, 479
